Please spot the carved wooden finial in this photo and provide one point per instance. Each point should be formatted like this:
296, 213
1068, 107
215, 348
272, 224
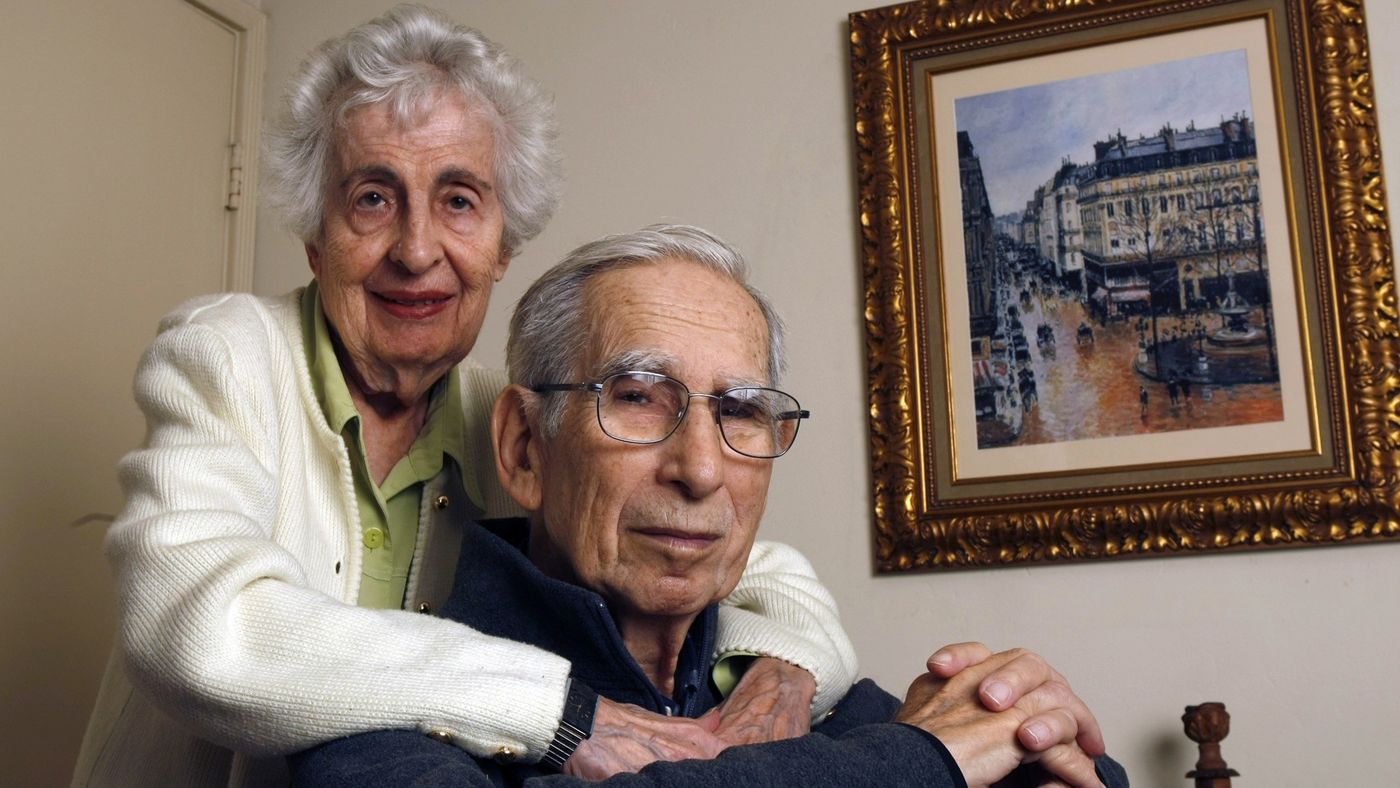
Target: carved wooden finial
1206, 725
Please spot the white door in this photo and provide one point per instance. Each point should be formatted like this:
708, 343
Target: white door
115, 128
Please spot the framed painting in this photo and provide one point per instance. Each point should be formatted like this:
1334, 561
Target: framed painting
1128, 279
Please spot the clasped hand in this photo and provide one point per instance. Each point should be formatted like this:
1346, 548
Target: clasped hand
773, 701
998, 712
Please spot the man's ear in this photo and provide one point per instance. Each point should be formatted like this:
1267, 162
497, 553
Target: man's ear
519, 444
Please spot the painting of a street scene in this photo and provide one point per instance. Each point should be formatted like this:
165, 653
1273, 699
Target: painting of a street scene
1116, 258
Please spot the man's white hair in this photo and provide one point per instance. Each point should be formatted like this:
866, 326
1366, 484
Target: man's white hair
549, 331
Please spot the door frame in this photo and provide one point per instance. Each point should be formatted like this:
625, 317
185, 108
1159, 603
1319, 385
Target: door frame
248, 26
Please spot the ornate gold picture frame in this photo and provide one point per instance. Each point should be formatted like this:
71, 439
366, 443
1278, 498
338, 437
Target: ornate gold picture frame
1233, 380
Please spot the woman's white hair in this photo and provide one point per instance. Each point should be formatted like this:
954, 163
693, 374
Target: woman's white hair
405, 59
549, 330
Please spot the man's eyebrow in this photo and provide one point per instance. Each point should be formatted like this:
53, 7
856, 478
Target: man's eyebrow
743, 381
453, 175
639, 360
661, 362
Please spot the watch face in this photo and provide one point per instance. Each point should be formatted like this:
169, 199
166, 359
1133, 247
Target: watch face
576, 725
579, 707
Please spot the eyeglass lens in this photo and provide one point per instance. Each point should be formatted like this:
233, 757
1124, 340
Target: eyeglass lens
646, 408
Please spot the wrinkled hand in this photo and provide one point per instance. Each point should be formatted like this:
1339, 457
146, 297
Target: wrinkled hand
987, 744
1004, 687
626, 738
773, 701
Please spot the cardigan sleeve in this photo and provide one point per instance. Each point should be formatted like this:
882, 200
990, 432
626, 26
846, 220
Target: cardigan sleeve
780, 609
856, 747
235, 556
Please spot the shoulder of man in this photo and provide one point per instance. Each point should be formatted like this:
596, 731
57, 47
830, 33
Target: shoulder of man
479, 386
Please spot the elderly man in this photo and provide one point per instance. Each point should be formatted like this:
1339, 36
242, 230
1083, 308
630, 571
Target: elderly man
639, 434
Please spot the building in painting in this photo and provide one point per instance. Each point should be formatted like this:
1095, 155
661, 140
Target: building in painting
1030, 218
1170, 222
996, 401
979, 240
1008, 225
1059, 236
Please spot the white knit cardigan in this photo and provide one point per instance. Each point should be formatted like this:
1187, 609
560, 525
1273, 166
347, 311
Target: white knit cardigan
238, 562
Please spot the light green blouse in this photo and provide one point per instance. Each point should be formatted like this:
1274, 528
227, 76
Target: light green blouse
388, 512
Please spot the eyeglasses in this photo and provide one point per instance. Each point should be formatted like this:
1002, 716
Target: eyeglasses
645, 407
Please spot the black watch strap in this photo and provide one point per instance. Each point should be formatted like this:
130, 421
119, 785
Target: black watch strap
576, 725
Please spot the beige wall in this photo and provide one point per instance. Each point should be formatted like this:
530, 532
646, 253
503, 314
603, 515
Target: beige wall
134, 101
735, 115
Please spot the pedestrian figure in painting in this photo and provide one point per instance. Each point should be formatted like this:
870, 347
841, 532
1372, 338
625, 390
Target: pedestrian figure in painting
1027, 386
1085, 334
1171, 389
1186, 388
1142, 400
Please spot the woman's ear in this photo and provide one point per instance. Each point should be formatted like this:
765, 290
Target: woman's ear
498, 271
518, 441
313, 259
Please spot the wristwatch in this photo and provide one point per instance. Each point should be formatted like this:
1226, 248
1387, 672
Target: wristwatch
576, 725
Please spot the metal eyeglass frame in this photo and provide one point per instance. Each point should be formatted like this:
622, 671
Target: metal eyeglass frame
596, 388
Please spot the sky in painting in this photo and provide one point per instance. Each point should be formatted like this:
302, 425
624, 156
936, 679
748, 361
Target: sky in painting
1021, 136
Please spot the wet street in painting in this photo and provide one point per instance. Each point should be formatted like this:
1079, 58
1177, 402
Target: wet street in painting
1091, 389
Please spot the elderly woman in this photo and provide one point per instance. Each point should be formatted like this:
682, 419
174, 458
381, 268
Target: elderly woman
311, 459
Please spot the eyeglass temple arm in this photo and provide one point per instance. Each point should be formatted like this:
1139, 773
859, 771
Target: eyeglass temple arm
788, 415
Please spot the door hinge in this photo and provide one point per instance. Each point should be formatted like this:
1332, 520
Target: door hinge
235, 177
